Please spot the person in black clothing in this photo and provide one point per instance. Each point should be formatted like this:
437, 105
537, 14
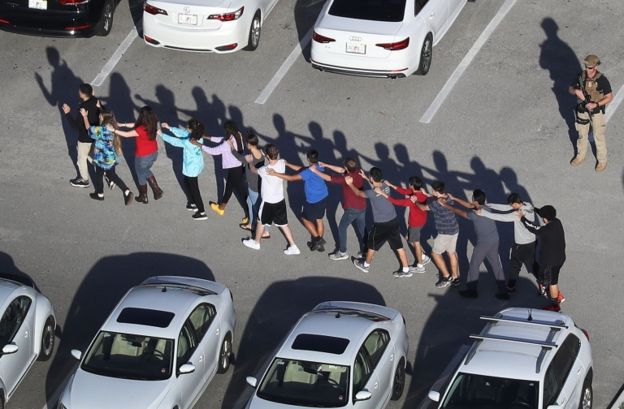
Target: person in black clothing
90, 104
550, 253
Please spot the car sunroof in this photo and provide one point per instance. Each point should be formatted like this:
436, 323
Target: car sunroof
320, 343
143, 316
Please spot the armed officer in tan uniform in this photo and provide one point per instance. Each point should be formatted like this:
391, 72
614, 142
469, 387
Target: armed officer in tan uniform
593, 90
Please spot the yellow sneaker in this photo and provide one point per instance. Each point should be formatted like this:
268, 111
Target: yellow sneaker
215, 207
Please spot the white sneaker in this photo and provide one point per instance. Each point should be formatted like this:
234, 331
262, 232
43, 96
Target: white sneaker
252, 244
419, 268
291, 250
426, 260
338, 255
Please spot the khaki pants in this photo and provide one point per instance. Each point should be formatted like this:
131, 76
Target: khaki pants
598, 125
83, 155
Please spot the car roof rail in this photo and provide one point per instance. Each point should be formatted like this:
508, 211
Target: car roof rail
181, 286
554, 325
503, 338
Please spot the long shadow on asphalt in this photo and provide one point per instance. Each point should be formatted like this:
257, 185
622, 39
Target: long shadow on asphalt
100, 291
448, 328
277, 310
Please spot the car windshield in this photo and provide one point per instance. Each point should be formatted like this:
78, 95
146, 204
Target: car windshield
304, 383
130, 356
469, 391
376, 10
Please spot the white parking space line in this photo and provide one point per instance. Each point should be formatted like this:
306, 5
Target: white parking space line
615, 103
283, 70
112, 62
472, 53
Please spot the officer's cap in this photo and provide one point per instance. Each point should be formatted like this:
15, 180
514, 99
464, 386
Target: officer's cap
592, 60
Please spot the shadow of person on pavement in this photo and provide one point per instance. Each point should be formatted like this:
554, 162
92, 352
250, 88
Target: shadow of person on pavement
563, 65
448, 327
277, 310
98, 294
63, 89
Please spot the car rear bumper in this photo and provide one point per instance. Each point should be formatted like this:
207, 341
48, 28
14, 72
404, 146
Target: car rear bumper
360, 72
53, 24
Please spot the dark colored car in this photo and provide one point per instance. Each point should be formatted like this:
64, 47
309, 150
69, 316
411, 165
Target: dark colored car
58, 18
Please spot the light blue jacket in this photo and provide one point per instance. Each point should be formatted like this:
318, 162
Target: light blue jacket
193, 158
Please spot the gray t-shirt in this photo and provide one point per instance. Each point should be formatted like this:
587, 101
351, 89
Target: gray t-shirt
485, 228
383, 210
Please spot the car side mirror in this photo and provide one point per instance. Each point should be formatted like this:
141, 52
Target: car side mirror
77, 354
363, 395
9, 349
186, 368
434, 396
251, 381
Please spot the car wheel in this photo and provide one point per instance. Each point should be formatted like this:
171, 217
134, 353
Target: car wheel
1, 399
47, 340
106, 21
426, 55
398, 383
225, 355
587, 397
254, 33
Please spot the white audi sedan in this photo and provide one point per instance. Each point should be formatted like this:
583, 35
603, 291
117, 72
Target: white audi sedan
380, 38
341, 354
159, 349
26, 332
219, 26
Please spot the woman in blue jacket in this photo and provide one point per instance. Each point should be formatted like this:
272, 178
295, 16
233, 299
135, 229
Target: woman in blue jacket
193, 161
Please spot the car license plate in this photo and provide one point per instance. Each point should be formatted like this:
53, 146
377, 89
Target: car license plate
38, 4
356, 48
188, 19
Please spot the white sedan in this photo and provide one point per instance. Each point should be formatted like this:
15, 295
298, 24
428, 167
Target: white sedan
381, 38
341, 354
159, 349
219, 26
26, 332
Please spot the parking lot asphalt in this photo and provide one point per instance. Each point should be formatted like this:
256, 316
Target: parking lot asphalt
504, 127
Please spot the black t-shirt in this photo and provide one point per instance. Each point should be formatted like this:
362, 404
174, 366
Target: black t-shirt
602, 84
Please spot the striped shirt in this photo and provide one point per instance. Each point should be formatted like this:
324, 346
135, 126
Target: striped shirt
445, 220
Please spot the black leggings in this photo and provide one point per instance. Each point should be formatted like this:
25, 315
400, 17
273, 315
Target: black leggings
236, 183
111, 175
192, 192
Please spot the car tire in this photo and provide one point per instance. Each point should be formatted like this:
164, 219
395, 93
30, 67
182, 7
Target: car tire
426, 55
225, 354
255, 30
106, 21
48, 339
398, 382
1, 399
587, 396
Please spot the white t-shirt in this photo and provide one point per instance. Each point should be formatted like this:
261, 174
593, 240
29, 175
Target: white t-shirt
272, 188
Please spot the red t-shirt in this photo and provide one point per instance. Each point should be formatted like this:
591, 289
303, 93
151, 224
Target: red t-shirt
144, 145
417, 217
349, 199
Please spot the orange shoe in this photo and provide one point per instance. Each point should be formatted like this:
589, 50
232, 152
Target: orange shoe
560, 298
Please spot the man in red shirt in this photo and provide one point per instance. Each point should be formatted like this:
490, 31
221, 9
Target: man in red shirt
415, 198
354, 206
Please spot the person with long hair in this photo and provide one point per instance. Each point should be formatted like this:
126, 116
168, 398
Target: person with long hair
106, 152
146, 151
235, 181
191, 140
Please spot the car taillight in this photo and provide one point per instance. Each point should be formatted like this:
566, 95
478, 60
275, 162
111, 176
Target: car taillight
227, 16
4, 21
78, 28
322, 39
585, 332
153, 10
399, 45
72, 2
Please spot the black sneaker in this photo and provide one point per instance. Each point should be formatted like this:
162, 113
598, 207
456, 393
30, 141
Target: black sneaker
402, 274
191, 207
455, 282
95, 196
79, 182
110, 183
443, 282
468, 293
200, 216
320, 245
128, 197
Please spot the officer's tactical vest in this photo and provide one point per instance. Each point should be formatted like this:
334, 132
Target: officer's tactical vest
591, 87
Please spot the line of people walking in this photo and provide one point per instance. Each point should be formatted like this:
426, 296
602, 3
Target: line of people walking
255, 176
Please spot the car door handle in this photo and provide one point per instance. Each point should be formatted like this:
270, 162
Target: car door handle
578, 372
201, 358
376, 385
432, 15
218, 331
392, 358
25, 334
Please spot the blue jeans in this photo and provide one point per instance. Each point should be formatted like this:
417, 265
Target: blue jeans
253, 206
142, 166
357, 218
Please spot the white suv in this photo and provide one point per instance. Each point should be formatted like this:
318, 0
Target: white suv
523, 359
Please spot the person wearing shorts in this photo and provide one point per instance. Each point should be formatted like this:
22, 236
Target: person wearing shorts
415, 198
273, 206
550, 251
446, 239
316, 194
386, 226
